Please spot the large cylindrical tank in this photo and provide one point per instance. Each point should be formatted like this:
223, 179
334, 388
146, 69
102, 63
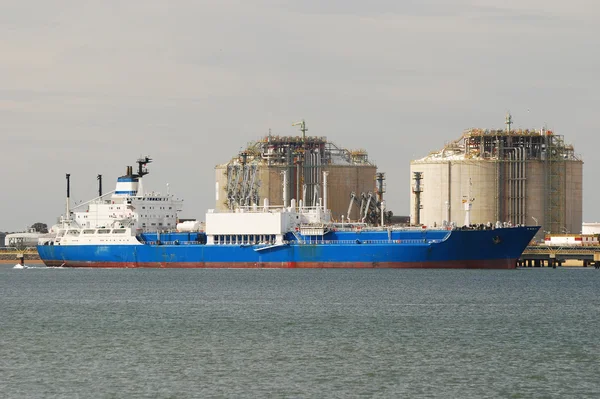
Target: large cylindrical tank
342, 181
259, 173
525, 189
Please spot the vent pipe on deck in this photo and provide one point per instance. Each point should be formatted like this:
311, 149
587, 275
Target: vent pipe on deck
325, 191
304, 188
285, 187
99, 177
380, 177
68, 175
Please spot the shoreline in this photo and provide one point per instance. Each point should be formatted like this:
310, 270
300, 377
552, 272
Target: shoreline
570, 263
16, 261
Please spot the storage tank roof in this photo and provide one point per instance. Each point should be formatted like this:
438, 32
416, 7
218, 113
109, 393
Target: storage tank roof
284, 150
479, 144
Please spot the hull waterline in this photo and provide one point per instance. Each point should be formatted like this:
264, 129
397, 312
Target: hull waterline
471, 264
465, 249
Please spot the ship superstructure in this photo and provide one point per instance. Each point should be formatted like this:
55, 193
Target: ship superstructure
126, 206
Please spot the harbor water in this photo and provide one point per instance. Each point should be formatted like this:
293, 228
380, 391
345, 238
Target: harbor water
299, 333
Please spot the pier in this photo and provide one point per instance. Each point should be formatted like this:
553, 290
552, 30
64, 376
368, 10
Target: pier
552, 256
9, 255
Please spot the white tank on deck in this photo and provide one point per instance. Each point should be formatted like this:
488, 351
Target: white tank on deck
189, 226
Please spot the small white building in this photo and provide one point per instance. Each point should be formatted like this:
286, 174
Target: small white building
590, 228
571, 239
25, 239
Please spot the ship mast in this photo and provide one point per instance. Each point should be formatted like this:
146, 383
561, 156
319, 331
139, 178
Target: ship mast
142, 171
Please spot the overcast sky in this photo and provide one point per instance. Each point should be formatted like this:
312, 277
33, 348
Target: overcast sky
86, 87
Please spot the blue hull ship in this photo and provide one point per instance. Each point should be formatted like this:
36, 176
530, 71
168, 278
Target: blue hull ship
487, 249
131, 228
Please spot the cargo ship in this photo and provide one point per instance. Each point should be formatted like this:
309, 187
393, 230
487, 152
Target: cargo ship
130, 228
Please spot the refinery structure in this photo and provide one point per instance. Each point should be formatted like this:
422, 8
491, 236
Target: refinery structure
509, 176
280, 169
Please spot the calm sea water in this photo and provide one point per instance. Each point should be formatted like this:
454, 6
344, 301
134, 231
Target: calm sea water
87, 333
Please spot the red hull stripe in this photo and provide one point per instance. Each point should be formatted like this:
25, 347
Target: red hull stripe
457, 264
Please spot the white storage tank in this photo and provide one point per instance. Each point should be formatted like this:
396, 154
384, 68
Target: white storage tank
528, 177
189, 226
282, 168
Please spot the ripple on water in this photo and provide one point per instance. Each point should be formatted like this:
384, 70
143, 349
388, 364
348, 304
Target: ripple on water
299, 333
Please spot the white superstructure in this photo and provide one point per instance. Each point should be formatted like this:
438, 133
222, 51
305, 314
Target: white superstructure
101, 236
128, 206
119, 217
251, 225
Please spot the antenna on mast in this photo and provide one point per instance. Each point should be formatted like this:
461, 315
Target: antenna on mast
303, 128
142, 162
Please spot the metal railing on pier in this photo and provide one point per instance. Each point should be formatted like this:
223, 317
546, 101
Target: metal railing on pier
541, 255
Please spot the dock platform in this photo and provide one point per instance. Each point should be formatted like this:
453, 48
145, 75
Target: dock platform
552, 256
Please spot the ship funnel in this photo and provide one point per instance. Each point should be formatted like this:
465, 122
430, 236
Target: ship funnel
127, 185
